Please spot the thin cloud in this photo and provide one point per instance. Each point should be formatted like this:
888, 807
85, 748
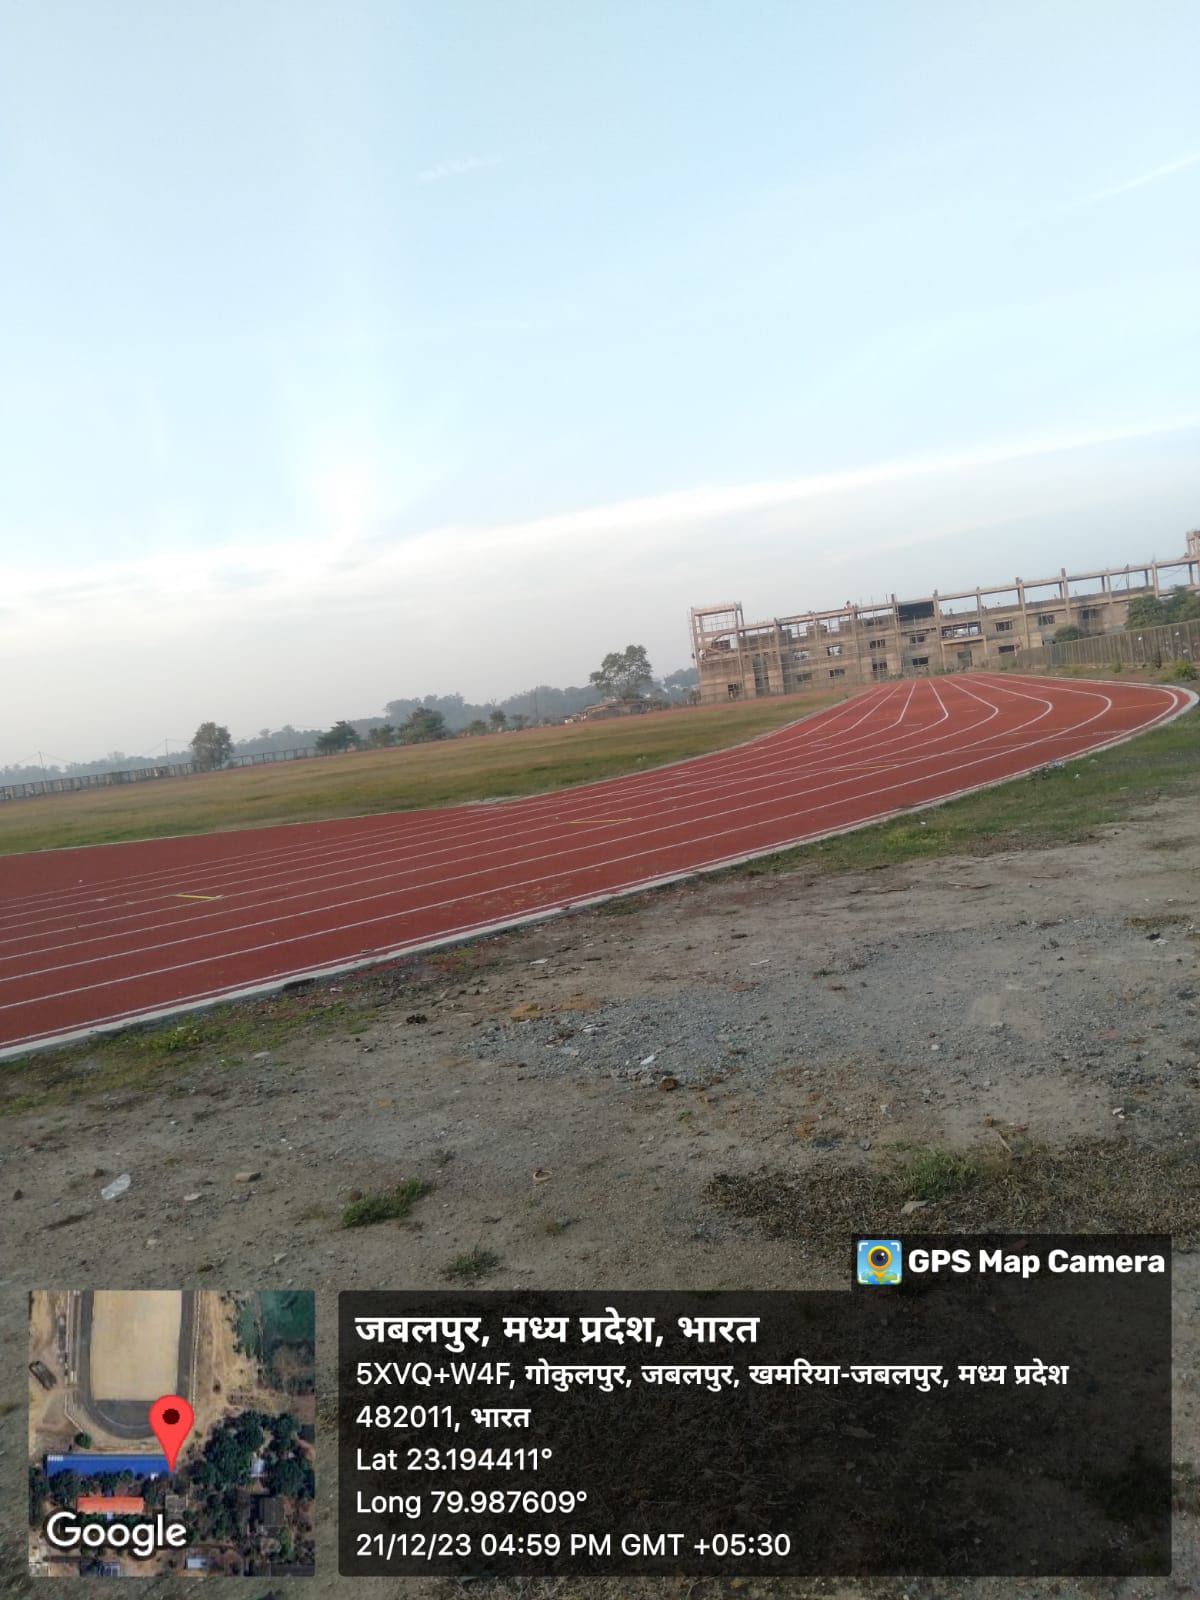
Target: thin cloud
1155, 175
714, 501
327, 575
457, 169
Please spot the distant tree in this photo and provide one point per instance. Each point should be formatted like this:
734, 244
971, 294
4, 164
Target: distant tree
211, 746
1146, 611
39, 1488
454, 710
474, 729
624, 673
1066, 635
498, 720
381, 738
517, 721
423, 725
229, 1450
677, 686
1156, 611
340, 737
65, 1487
285, 1476
283, 1430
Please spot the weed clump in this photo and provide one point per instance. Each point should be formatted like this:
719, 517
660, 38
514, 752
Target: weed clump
393, 1205
471, 1266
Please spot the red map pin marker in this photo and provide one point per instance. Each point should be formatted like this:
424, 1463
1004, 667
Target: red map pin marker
171, 1418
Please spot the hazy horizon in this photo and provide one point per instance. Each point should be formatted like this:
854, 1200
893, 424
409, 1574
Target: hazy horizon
348, 361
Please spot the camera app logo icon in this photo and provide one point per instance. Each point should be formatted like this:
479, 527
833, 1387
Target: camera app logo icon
880, 1261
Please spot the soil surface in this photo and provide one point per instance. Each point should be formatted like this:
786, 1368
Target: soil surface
710, 1086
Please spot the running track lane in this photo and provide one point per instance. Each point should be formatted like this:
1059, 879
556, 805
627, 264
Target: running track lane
97, 936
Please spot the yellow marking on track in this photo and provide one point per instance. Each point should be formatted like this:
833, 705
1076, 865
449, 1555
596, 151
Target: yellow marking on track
199, 897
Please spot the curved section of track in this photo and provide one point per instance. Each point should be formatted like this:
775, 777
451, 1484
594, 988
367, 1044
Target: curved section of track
96, 937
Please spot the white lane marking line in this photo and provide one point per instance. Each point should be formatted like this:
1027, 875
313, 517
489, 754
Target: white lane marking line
517, 885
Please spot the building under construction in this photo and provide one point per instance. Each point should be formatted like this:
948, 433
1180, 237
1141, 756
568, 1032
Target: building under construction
857, 644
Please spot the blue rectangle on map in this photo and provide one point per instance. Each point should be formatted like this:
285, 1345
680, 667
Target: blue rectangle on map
90, 1466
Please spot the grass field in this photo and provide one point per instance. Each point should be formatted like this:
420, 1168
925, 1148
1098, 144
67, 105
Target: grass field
273, 1322
491, 767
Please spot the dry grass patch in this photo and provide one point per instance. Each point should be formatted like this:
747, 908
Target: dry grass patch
1097, 1186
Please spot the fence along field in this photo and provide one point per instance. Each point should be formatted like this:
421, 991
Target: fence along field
1155, 648
111, 780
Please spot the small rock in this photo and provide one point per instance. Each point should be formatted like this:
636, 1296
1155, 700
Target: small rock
667, 1084
188, 1198
910, 1206
864, 1144
416, 1016
17, 1194
282, 1256
246, 1177
261, 1055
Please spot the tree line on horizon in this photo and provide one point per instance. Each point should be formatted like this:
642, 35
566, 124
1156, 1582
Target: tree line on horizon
546, 703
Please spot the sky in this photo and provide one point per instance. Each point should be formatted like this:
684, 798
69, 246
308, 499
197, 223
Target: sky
351, 351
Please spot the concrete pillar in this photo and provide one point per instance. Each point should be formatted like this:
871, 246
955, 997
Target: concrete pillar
937, 626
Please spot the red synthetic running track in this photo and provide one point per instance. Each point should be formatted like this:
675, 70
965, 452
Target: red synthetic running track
96, 936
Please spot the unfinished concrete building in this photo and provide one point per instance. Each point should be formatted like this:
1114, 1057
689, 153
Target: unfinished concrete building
855, 644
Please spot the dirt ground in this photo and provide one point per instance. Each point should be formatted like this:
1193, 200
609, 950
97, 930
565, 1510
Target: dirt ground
48, 1420
221, 1370
134, 1343
1033, 1012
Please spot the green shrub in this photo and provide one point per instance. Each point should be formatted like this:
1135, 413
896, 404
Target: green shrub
1183, 669
392, 1205
472, 1266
